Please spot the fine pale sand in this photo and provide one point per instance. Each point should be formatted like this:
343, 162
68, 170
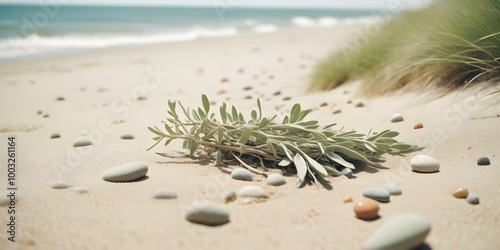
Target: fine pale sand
100, 87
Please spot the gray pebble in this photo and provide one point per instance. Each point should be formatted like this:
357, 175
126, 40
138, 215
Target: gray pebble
275, 179
252, 191
206, 213
472, 199
396, 118
55, 136
127, 172
81, 189
359, 105
405, 231
378, 194
483, 161
241, 174
337, 111
165, 193
393, 189
82, 142
347, 172
424, 164
127, 137
228, 196
59, 185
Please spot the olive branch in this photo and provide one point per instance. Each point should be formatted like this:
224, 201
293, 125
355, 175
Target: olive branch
315, 151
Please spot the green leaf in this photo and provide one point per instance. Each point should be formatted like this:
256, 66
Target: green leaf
336, 158
201, 113
245, 135
168, 141
169, 130
285, 162
294, 113
220, 135
234, 113
352, 154
223, 113
287, 152
285, 120
301, 166
206, 103
332, 171
253, 114
260, 109
155, 131
193, 145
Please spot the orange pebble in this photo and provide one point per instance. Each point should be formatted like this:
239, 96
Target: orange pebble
366, 209
418, 125
348, 199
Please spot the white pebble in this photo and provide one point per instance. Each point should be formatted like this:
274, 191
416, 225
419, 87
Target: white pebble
393, 189
241, 174
252, 191
397, 118
424, 164
127, 172
275, 179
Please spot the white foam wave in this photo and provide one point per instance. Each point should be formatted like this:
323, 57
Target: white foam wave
306, 22
265, 28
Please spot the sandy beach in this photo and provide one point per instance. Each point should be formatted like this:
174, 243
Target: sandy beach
98, 91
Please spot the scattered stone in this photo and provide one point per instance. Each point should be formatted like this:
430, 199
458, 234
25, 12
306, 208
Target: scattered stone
393, 189
60, 98
46, 116
378, 194
460, 193
347, 172
359, 105
366, 209
241, 174
397, 118
252, 191
337, 111
241, 71
347, 199
247, 88
55, 136
228, 196
117, 121
323, 104
418, 125
277, 93
349, 102
39, 112
424, 164
275, 179
248, 97
222, 91
127, 137
5, 199
405, 231
472, 199
82, 142
224, 80
81, 189
127, 172
206, 213
141, 98
59, 185
287, 98
483, 161
165, 193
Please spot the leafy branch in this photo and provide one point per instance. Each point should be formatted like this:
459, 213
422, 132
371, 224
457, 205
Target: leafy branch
315, 151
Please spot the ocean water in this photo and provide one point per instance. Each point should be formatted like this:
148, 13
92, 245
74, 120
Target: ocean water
33, 29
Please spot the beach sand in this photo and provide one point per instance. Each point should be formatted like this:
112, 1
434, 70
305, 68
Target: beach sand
100, 88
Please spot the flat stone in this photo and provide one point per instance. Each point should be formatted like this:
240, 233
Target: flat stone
405, 231
483, 161
418, 125
206, 213
127, 137
397, 118
366, 209
460, 193
59, 185
359, 105
275, 179
81, 189
378, 194
337, 111
347, 199
472, 199
393, 189
228, 196
82, 142
165, 193
127, 172
252, 191
424, 164
55, 136
241, 174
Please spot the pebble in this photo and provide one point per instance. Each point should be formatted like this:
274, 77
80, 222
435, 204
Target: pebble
405, 231
323, 104
241, 174
165, 193
5, 200
347, 172
127, 137
228, 196
55, 136
460, 193
393, 189
39, 112
359, 105
59, 185
82, 142
275, 179
252, 191
483, 161
366, 209
46, 116
347, 199
396, 118
418, 125
424, 164
127, 172
81, 189
60, 98
472, 199
224, 80
206, 213
378, 194
337, 111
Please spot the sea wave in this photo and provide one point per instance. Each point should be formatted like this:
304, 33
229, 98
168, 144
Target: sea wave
305, 22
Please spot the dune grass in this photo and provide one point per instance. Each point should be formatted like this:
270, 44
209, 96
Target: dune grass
451, 44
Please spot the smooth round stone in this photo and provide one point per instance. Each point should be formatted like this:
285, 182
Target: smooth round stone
472, 199
337, 111
165, 193
275, 179
359, 105
483, 161
424, 164
347, 172
393, 189
347, 199
460, 193
252, 191
127, 137
366, 209
55, 136
378, 194
127, 172
206, 213
228, 196
81, 189
418, 125
405, 231
59, 185
82, 142
397, 118
241, 174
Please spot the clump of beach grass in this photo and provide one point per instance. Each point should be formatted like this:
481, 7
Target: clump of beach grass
450, 44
